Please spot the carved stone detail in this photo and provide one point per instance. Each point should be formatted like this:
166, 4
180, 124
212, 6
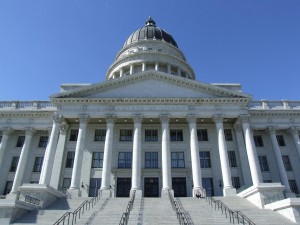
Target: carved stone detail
6, 130
164, 118
57, 118
64, 128
83, 118
191, 118
110, 118
218, 118
138, 118
29, 131
272, 130
294, 130
245, 118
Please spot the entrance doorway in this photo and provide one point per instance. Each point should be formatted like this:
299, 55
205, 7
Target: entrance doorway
179, 186
95, 184
151, 187
123, 187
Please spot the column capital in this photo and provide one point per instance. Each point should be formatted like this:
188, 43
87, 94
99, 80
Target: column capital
244, 118
49, 130
191, 118
164, 118
238, 127
294, 130
218, 118
272, 130
138, 118
29, 131
83, 118
57, 118
110, 118
63, 128
6, 130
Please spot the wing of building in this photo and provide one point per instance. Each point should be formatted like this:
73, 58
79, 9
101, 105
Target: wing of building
149, 130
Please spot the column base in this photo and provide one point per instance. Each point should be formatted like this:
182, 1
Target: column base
290, 195
105, 193
229, 191
138, 193
165, 193
74, 193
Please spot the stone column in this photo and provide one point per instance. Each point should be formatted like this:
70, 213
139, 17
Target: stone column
278, 157
45, 177
76, 172
196, 168
22, 161
143, 66
166, 154
137, 152
294, 131
107, 157
251, 151
59, 155
226, 174
121, 72
169, 68
131, 70
5, 135
156, 66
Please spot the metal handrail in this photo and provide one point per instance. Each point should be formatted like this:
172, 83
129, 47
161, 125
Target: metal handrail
126, 214
180, 213
86, 205
234, 216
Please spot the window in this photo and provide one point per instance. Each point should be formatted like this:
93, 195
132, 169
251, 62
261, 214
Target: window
124, 160
267, 181
74, 134
232, 159
202, 135
258, 141
38, 163
43, 142
14, 164
236, 182
280, 140
70, 159
177, 159
151, 135
125, 135
97, 161
151, 159
20, 141
66, 183
287, 163
176, 135
205, 159
0, 138
293, 186
100, 135
228, 134
8, 187
207, 184
263, 163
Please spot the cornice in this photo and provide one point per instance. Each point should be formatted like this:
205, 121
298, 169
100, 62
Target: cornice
279, 113
27, 114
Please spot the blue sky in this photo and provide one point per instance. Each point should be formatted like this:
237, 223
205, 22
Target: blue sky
46, 43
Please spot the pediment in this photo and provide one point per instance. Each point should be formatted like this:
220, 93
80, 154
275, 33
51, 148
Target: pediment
150, 85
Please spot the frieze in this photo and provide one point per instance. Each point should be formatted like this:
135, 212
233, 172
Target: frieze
151, 108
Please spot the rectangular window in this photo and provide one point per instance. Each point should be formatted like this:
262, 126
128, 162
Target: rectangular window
151, 135
125, 135
14, 164
124, 160
177, 159
263, 163
236, 182
151, 159
228, 134
205, 159
232, 159
100, 135
258, 140
8, 187
70, 159
280, 140
207, 184
293, 186
287, 163
97, 161
43, 141
38, 163
66, 183
267, 181
20, 141
202, 135
74, 134
176, 135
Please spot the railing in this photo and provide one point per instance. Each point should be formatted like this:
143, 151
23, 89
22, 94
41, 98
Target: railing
126, 214
265, 104
234, 216
25, 104
71, 217
32, 200
180, 213
272, 199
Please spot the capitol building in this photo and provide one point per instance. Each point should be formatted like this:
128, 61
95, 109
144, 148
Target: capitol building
151, 131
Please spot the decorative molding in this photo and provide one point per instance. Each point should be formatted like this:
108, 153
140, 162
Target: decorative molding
272, 130
191, 118
83, 118
57, 118
49, 130
64, 128
238, 126
31, 114
138, 118
29, 131
7, 131
110, 118
244, 118
218, 118
294, 130
164, 118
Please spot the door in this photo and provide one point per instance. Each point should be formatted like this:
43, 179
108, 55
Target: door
151, 187
179, 186
123, 187
95, 184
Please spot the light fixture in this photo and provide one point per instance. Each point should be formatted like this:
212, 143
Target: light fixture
201, 119
151, 120
177, 119
82, 185
220, 183
125, 120
225, 120
100, 120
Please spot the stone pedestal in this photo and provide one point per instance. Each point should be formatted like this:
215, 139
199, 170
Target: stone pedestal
138, 194
229, 191
263, 193
165, 193
106, 193
74, 192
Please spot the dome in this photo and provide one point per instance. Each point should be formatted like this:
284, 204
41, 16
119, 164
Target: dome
150, 32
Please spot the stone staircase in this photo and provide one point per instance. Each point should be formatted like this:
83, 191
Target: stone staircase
52, 213
257, 215
201, 213
152, 211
